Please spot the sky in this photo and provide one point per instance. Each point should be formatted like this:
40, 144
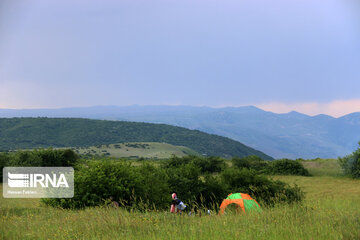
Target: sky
279, 55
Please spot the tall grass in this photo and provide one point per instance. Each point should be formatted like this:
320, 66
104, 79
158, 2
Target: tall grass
323, 167
331, 211
323, 219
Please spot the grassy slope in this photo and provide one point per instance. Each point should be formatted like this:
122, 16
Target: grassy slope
140, 149
21, 133
330, 211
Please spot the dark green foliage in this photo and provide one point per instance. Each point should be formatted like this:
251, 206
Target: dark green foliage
213, 191
22, 133
154, 190
4, 160
147, 187
279, 167
210, 164
38, 158
97, 181
185, 181
351, 164
42, 158
288, 167
251, 162
261, 188
135, 187
205, 164
137, 145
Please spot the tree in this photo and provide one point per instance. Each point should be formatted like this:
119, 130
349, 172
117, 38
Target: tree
351, 163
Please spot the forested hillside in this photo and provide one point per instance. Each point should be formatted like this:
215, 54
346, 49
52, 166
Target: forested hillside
20, 133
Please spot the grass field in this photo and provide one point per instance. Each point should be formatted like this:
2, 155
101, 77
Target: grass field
323, 167
148, 150
330, 211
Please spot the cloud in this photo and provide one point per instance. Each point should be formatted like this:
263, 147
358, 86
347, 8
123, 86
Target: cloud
335, 108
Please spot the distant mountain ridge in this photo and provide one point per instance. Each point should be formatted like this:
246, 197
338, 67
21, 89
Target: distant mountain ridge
24, 133
291, 135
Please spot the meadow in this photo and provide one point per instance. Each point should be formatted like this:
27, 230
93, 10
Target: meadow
329, 211
135, 150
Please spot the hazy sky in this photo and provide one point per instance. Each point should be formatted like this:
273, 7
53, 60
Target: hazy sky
280, 55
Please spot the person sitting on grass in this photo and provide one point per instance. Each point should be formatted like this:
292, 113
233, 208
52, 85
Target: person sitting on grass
176, 204
113, 203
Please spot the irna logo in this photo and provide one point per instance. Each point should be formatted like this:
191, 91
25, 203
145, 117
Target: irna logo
38, 182
17, 180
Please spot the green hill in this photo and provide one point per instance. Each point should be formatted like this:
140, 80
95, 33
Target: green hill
151, 150
20, 133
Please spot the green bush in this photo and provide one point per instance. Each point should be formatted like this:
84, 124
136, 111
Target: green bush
264, 190
288, 167
4, 159
282, 166
205, 164
351, 164
148, 187
175, 161
185, 181
251, 162
135, 187
42, 158
210, 164
213, 191
38, 158
192, 186
154, 190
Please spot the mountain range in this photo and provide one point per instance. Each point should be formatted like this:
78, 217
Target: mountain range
289, 135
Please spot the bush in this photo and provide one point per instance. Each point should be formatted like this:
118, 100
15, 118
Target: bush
206, 165
283, 166
185, 181
264, 190
38, 158
288, 167
134, 187
4, 159
148, 187
210, 164
194, 188
351, 164
43, 158
154, 190
251, 162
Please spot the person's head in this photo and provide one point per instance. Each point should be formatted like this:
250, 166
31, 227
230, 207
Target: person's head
173, 196
111, 198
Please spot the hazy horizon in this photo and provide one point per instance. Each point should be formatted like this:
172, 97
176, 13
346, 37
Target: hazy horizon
281, 110
280, 56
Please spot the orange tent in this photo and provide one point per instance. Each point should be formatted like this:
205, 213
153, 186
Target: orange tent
244, 201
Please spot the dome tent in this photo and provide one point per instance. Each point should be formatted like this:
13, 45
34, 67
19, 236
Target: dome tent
242, 200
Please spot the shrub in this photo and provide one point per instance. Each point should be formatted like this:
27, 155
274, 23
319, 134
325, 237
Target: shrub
206, 165
135, 187
251, 162
4, 159
147, 187
43, 158
213, 191
351, 164
264, 190
175, 161
288, 167
38, 158
154, 190
185, 181
210, 164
